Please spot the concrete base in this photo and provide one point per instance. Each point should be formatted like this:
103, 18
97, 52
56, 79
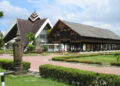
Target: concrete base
20, 71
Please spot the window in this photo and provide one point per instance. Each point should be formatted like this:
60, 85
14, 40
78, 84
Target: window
42, 36
51, 46
58, 46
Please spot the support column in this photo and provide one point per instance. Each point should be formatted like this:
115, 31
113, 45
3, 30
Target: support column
86, 47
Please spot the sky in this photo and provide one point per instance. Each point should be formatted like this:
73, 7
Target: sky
98, 13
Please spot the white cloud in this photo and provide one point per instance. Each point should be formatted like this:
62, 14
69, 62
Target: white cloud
100, 13
90, 23
82, 3
11, 13
113, 27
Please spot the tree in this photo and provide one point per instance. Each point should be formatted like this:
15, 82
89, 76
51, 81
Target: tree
49, 31
44, 48
1, 14
1, 40
49, 39
117, 55
30, 47
1, 34
31, 37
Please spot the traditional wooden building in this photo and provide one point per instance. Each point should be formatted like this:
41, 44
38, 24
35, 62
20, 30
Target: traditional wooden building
79, 37
39, 27
34, 24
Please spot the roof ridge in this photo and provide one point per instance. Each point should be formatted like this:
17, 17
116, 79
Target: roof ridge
91, 31
86, 25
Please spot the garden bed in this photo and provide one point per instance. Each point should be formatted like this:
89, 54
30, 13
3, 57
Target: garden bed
108, 59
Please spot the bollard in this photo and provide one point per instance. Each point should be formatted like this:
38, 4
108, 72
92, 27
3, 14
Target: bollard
3, 77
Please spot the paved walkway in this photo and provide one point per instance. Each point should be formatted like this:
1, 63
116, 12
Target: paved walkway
36, 61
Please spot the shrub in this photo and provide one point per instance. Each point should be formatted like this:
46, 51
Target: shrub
63, 58
68, 59
39, 50
26, 65
45, 53
115, 64
66, 53
8, 64
6, 51
78, 77
117, 55
75, 56
59, 58
44, 48
30, 47
84, 61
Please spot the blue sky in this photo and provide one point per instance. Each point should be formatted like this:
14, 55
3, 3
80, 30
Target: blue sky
99, 13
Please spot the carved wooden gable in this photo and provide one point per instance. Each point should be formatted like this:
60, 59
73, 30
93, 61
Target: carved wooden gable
64, 33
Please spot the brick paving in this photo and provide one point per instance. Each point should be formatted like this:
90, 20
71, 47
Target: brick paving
36, 61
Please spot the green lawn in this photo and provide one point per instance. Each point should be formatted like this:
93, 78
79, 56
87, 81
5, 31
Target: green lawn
30, 81
104, 59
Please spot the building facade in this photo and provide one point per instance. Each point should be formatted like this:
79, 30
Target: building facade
39, 27
78, 37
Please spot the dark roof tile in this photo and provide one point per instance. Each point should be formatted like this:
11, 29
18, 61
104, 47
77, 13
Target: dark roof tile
90, 31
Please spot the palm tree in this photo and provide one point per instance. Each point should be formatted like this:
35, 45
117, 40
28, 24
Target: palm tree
1, 14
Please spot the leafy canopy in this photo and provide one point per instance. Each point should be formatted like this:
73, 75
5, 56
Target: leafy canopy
31, 37
1, 14
1, 40
49, 31
1, 34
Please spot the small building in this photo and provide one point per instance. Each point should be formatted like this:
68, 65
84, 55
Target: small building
39, 27
78, 37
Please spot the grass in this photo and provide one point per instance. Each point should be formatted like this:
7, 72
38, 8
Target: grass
29, 80
104, 59
28, 54
6, 51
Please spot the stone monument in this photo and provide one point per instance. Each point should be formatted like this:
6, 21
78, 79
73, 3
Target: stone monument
18, 53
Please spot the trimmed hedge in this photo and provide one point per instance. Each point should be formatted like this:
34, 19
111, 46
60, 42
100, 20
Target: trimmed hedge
68, 59
85, 61
78, 77
8, 64
62, 58
6, 51
115, 64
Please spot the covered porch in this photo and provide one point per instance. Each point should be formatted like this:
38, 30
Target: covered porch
82, 47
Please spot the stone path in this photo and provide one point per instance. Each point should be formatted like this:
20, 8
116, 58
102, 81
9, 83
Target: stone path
36, 61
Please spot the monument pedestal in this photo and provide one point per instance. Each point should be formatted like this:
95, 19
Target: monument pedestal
19, 71
18, 53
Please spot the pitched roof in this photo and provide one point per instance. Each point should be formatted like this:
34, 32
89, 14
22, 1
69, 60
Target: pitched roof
26, 26
90, 31
33, 24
